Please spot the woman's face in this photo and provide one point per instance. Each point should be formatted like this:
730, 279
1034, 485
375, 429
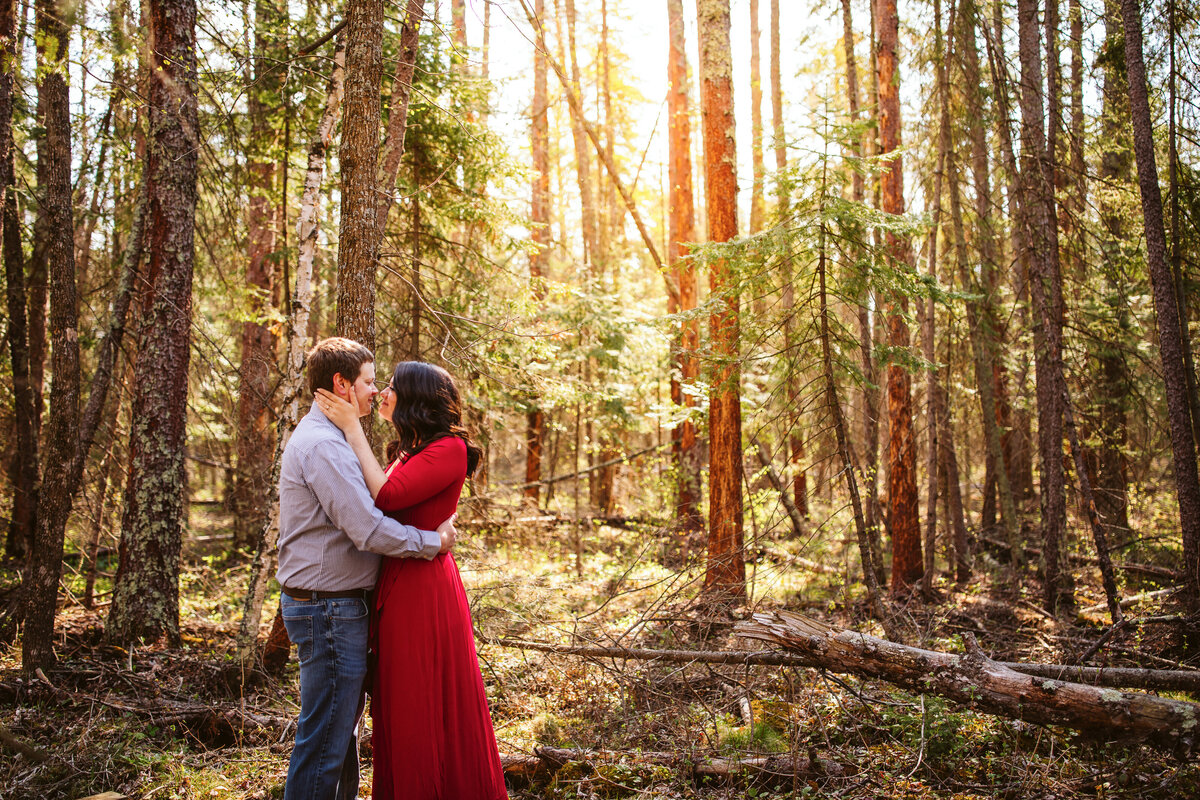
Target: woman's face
387, 403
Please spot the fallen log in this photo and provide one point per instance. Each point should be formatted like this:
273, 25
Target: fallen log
545, 761
1162, 680
977, 682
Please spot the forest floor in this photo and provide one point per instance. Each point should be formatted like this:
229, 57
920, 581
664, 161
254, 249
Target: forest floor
164, 723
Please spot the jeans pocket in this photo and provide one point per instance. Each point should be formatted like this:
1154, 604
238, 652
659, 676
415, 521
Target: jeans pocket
348, 609
298, 621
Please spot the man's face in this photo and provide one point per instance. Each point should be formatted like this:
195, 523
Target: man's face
362, 392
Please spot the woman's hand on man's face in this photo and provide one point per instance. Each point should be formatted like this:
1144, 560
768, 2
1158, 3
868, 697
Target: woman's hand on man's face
340, 412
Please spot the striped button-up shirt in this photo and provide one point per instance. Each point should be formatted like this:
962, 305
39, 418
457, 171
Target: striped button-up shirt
331, 535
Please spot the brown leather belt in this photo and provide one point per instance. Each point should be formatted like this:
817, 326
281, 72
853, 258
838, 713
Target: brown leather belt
306, 595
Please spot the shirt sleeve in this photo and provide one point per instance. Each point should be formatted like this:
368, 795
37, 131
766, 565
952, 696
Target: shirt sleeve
335, 477
428, 472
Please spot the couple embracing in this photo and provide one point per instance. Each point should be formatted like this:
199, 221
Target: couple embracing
364, 560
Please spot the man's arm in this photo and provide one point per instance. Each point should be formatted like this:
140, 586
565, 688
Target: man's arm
333, 474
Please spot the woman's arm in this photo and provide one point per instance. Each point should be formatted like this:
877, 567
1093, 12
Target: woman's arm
343, 414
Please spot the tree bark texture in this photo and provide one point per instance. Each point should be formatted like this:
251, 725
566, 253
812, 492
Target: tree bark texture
1113, 389
1170, 335
40, 583
24, 473
979, 683
1040, 221
682, 231
725, 575
358, 234
903, 511
146, 594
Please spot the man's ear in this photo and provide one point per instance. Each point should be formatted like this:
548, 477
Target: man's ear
341, 387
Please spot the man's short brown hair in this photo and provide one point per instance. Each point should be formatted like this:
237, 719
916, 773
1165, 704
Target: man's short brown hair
336, 355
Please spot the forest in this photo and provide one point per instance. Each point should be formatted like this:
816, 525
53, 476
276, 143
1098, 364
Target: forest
833, 364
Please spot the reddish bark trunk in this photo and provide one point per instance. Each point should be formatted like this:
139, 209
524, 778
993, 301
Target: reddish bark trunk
725, 577
682, 231
903, 512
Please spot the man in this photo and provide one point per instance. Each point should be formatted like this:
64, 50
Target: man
331, 538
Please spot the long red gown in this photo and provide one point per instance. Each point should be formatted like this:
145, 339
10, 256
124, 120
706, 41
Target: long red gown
433, 737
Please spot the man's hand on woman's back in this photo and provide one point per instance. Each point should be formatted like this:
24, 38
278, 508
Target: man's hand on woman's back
448, 533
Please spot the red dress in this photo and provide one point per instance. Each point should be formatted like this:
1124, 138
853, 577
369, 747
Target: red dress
433, 737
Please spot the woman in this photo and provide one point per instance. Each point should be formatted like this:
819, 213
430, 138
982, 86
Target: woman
433, 734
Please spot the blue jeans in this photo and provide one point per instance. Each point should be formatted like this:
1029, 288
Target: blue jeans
331, 638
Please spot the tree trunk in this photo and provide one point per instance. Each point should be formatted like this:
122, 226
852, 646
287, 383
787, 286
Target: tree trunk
306, 237
601, 486
1045, 282
725, 576
24, 475
146, 594
1170, 334
758, 210
458, 18
682, 222
583, 161
1113, 389
1018, 439
539, 236
870, 396
795, 438
977, 682
358, 236
40, 583
903, 512
255, 406
925, 306
1176, 255
982, 317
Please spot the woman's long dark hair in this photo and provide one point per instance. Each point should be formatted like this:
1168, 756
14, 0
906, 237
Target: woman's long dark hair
428, 408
